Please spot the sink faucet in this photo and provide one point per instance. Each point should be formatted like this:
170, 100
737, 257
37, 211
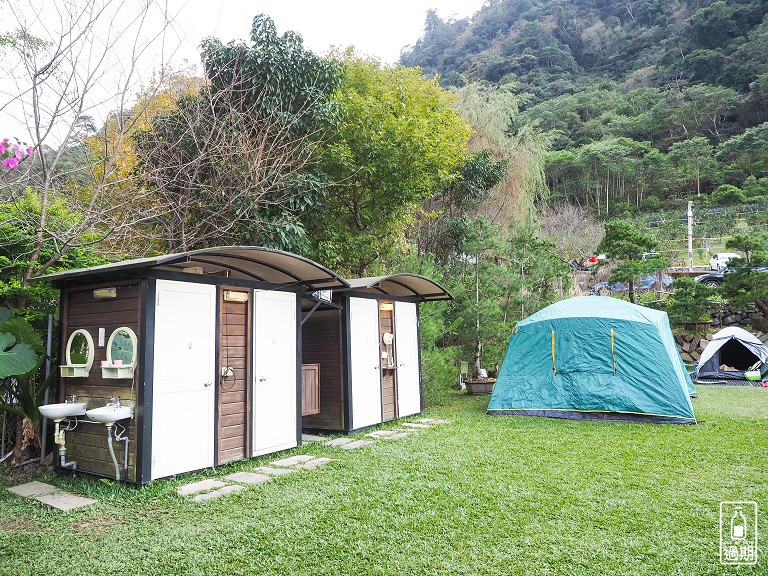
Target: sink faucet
114, 401
71, 399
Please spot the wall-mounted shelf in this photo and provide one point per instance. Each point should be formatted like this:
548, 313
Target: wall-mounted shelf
74, 371
112, 372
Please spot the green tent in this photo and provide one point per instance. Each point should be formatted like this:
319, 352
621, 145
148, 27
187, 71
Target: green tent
596, 358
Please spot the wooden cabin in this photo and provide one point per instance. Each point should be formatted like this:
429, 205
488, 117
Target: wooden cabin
203, 345
364, 344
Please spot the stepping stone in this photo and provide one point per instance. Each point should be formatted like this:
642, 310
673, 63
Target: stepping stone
312, 464
355, 444
397, 436
248, 478
195, 487
274, 471
65, 501
380, 433
339, 441
293, 460
311, 438
32, 489
220, 492
415, 425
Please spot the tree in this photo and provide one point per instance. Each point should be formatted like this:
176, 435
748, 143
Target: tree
573, 232
445, 219
58, 80
694, 158
235, 161
747, 285
623, 241
399, 142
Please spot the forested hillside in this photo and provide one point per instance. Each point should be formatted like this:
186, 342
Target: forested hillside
644, 101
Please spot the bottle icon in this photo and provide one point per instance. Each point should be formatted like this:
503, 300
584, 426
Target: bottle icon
738, 525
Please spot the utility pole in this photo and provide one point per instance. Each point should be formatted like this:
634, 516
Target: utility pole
690, 235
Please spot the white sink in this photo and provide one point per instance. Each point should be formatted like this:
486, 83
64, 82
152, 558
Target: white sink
109, 414
63, 410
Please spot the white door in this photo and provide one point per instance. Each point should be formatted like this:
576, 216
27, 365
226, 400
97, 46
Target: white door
407, 346
275, 399
365, 362
183, 397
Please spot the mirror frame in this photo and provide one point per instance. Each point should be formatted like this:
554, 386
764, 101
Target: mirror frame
91, 349
134, 341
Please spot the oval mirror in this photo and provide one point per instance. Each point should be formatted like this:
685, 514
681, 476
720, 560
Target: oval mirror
80, 349
122, 346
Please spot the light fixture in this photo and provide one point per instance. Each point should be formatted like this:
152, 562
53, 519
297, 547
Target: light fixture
324, 295
105, 292
232, 296
386, 306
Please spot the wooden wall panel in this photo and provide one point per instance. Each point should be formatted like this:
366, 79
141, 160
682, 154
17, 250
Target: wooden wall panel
321, 344
87, 444
234, 352
388, 375
310, 389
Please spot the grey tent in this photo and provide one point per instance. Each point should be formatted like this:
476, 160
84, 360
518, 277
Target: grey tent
731, 352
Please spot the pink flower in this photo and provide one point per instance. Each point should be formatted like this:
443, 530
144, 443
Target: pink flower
3, 147
11, 163
18, 152
30, 151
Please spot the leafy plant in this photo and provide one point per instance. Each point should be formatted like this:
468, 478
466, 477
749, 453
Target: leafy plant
689, 302
21, 389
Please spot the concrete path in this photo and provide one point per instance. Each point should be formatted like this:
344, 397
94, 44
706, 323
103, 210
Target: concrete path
51, 496
231, 483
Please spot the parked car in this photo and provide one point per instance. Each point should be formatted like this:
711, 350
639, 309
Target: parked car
719, 260
714, 279
711, 279
642, 285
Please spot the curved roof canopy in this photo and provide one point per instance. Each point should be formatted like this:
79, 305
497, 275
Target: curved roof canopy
240, 262
401, 285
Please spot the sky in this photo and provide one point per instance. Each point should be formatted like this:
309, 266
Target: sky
375, 27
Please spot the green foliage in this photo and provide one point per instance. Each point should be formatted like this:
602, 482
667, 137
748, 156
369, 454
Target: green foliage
18, 231
689, 302
267, 108
21, 355
625, 242
727, 194
754, 245
278, 77
399, 142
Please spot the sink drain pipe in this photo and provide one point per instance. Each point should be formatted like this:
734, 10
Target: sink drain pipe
119, 437
112, 451
59, 438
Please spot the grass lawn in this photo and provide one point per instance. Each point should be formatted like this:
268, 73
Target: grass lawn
479, 495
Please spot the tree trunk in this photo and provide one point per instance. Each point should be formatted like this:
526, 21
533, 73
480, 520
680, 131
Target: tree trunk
27, 434
632, 295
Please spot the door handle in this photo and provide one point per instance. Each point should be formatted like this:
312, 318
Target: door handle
207, 384
262, 379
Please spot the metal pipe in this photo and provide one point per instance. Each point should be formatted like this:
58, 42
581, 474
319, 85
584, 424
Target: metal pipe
112, 452
48, 350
